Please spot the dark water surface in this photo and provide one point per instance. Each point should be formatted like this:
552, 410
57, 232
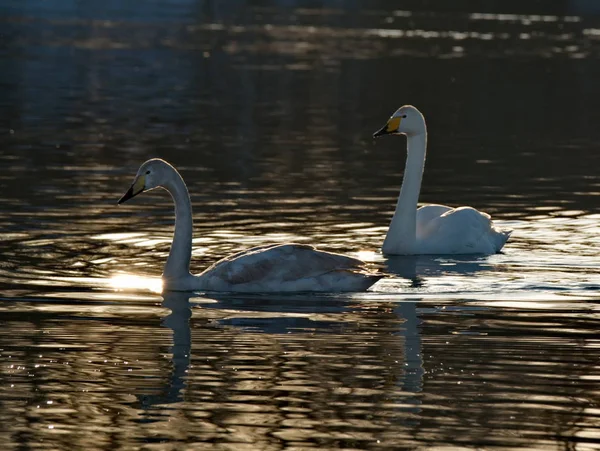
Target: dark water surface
267, 109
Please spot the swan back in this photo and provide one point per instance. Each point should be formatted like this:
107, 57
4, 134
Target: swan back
288, 267
462, 230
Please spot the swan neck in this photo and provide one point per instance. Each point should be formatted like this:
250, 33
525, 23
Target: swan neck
401, 237
178, 262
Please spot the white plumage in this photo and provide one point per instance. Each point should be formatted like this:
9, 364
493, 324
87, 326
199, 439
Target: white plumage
270, 268
432, 229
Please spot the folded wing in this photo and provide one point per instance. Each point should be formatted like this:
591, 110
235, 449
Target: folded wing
289, 267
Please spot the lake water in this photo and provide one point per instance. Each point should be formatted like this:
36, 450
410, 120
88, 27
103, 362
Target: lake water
267, 109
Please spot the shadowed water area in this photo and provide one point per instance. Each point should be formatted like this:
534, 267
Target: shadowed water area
267, 110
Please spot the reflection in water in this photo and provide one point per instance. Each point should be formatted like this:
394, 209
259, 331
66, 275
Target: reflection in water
131, 282
417, 268
268, 110
304, 314
178, 322
350, 372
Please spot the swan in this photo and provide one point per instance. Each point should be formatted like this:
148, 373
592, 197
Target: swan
432, 229
269, 268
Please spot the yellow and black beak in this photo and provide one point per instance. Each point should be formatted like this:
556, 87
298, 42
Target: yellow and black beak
392, 126
136, 188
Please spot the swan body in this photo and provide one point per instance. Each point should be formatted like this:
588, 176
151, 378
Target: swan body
432, 229
270, 268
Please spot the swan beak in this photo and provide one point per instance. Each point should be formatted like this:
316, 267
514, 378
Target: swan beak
382, 131
136, 188
392, 126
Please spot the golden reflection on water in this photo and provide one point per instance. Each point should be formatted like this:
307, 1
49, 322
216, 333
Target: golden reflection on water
304, 36
524, 19
133, 282
329, 373
474, 352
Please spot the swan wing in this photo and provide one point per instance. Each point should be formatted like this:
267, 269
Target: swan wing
463, 230
285, 267
428, 213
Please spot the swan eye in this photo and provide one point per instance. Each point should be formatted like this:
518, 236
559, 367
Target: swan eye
147, 172
404, 115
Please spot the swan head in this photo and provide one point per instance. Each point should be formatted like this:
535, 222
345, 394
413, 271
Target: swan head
151, 174
407, 120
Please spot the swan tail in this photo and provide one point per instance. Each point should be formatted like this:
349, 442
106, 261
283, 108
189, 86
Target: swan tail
501, 238
372, 279
361, 279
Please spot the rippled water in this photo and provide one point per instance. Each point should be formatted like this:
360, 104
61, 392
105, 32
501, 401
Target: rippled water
267, 109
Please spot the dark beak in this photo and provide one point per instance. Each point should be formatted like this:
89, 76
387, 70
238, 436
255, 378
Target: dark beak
128, 195
382, 131
136, 188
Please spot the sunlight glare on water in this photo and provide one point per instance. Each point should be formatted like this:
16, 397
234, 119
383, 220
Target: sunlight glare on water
132, 282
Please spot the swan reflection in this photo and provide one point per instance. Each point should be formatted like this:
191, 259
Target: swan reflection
178, 320
322, 334
308, 313
417, 267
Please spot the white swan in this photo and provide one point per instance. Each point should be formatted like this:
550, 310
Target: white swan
271, 268
432, 229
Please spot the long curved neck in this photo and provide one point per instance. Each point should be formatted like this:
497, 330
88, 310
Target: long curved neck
178, 262
401, 237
